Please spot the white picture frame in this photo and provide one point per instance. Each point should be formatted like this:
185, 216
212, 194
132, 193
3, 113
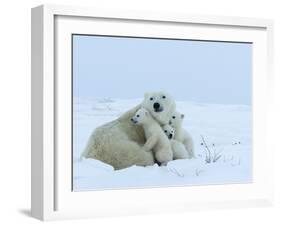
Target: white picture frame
52, 197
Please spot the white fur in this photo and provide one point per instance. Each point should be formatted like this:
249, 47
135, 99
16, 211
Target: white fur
119, 142
156, 140
179, 151
166, 102
181, 134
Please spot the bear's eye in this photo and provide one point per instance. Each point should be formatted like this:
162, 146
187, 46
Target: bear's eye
163, 97
165, 131
151, 98
138, 115
174, 117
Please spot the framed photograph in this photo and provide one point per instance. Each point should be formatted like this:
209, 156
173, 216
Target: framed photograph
142, 112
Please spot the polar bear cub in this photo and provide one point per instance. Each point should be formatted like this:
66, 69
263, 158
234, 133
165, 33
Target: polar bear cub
156, 140
181, 134
179, 151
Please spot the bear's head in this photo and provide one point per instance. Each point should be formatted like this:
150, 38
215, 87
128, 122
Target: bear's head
160, 105
176, 120
141, 116
169, 131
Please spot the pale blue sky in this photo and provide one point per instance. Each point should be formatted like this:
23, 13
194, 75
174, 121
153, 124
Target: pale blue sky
201, 71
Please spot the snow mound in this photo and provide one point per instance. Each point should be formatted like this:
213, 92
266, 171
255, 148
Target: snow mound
222, 136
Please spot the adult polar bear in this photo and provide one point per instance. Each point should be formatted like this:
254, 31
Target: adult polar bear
119, 142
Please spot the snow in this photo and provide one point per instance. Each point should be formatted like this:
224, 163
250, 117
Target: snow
226, 130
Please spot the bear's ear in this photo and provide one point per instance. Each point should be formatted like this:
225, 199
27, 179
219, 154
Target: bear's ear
182, 116
146, 95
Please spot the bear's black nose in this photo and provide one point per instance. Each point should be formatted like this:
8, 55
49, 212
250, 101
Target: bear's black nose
170, 136
156, 105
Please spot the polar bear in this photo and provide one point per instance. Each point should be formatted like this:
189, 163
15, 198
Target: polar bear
181, 134
119, 142
179, 151
156, 140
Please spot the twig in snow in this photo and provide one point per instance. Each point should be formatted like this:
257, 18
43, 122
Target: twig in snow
208, 155
236, 164
211, 154
173, 170
217, 155
198, 172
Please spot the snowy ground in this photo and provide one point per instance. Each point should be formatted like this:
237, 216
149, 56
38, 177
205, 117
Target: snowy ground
226, 129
